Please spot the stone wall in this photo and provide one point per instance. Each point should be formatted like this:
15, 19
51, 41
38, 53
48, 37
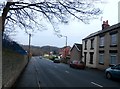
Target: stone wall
0, 52
12, 65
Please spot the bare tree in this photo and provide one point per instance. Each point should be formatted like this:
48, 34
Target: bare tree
30, 15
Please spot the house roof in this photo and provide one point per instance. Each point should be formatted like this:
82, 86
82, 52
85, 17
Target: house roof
78, 46
65, 47
113, 27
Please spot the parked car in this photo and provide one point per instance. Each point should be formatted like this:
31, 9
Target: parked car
113, 72
56, 60
77, 64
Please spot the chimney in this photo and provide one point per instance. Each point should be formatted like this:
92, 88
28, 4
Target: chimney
105, 25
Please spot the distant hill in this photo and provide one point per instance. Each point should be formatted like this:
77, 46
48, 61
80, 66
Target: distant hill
36, 50
50, 49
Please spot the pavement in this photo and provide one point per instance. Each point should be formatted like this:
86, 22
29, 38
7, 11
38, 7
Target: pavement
0, 76
27, 77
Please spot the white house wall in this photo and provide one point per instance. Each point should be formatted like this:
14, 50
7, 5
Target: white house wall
88, 52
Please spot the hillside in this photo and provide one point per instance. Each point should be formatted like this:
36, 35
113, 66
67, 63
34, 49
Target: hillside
37, 51
50, 49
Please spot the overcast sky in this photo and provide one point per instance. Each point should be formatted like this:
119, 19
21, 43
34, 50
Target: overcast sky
75, 31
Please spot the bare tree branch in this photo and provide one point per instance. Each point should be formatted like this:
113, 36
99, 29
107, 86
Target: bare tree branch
31, 15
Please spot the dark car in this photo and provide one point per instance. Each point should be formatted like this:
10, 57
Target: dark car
56, 60
77, 64
113, 72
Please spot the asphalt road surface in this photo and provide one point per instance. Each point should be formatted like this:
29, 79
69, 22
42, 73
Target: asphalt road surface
42, 72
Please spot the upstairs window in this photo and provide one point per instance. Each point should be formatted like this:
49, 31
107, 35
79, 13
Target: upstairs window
102, 39
86, 45
113, 39
92, 43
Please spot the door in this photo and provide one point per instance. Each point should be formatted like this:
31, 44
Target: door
85, 55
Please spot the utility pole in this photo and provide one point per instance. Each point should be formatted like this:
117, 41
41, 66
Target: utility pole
66, 40
66, 48
29, 47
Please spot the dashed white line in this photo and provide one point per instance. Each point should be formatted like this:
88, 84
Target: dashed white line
67, 71
96, 84
39, 87
55, 66
49, 60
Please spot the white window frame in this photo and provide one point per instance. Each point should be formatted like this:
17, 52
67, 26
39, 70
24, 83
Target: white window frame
85, 44
102, 40
92, 43
111, 60
101, 60
113, 39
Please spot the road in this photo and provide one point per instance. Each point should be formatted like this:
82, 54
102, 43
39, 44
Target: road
44, 73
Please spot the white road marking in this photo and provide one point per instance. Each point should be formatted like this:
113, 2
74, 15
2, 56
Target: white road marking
55, 66
39, 85
67, 71
49, 60
96, 84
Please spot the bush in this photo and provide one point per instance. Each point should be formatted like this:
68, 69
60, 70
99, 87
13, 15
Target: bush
51, 57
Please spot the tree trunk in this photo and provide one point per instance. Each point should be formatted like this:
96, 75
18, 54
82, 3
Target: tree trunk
4, 14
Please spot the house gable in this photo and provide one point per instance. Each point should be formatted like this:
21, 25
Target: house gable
76, 52
77, 46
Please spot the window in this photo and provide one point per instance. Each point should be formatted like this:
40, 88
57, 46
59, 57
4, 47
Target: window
101, 58
113, 58
85, 44
91, 57
101, 41
113, 39
92, 43
85, 56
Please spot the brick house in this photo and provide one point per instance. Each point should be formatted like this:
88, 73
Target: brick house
65, 53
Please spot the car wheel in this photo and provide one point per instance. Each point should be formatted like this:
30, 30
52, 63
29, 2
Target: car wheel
108, 75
